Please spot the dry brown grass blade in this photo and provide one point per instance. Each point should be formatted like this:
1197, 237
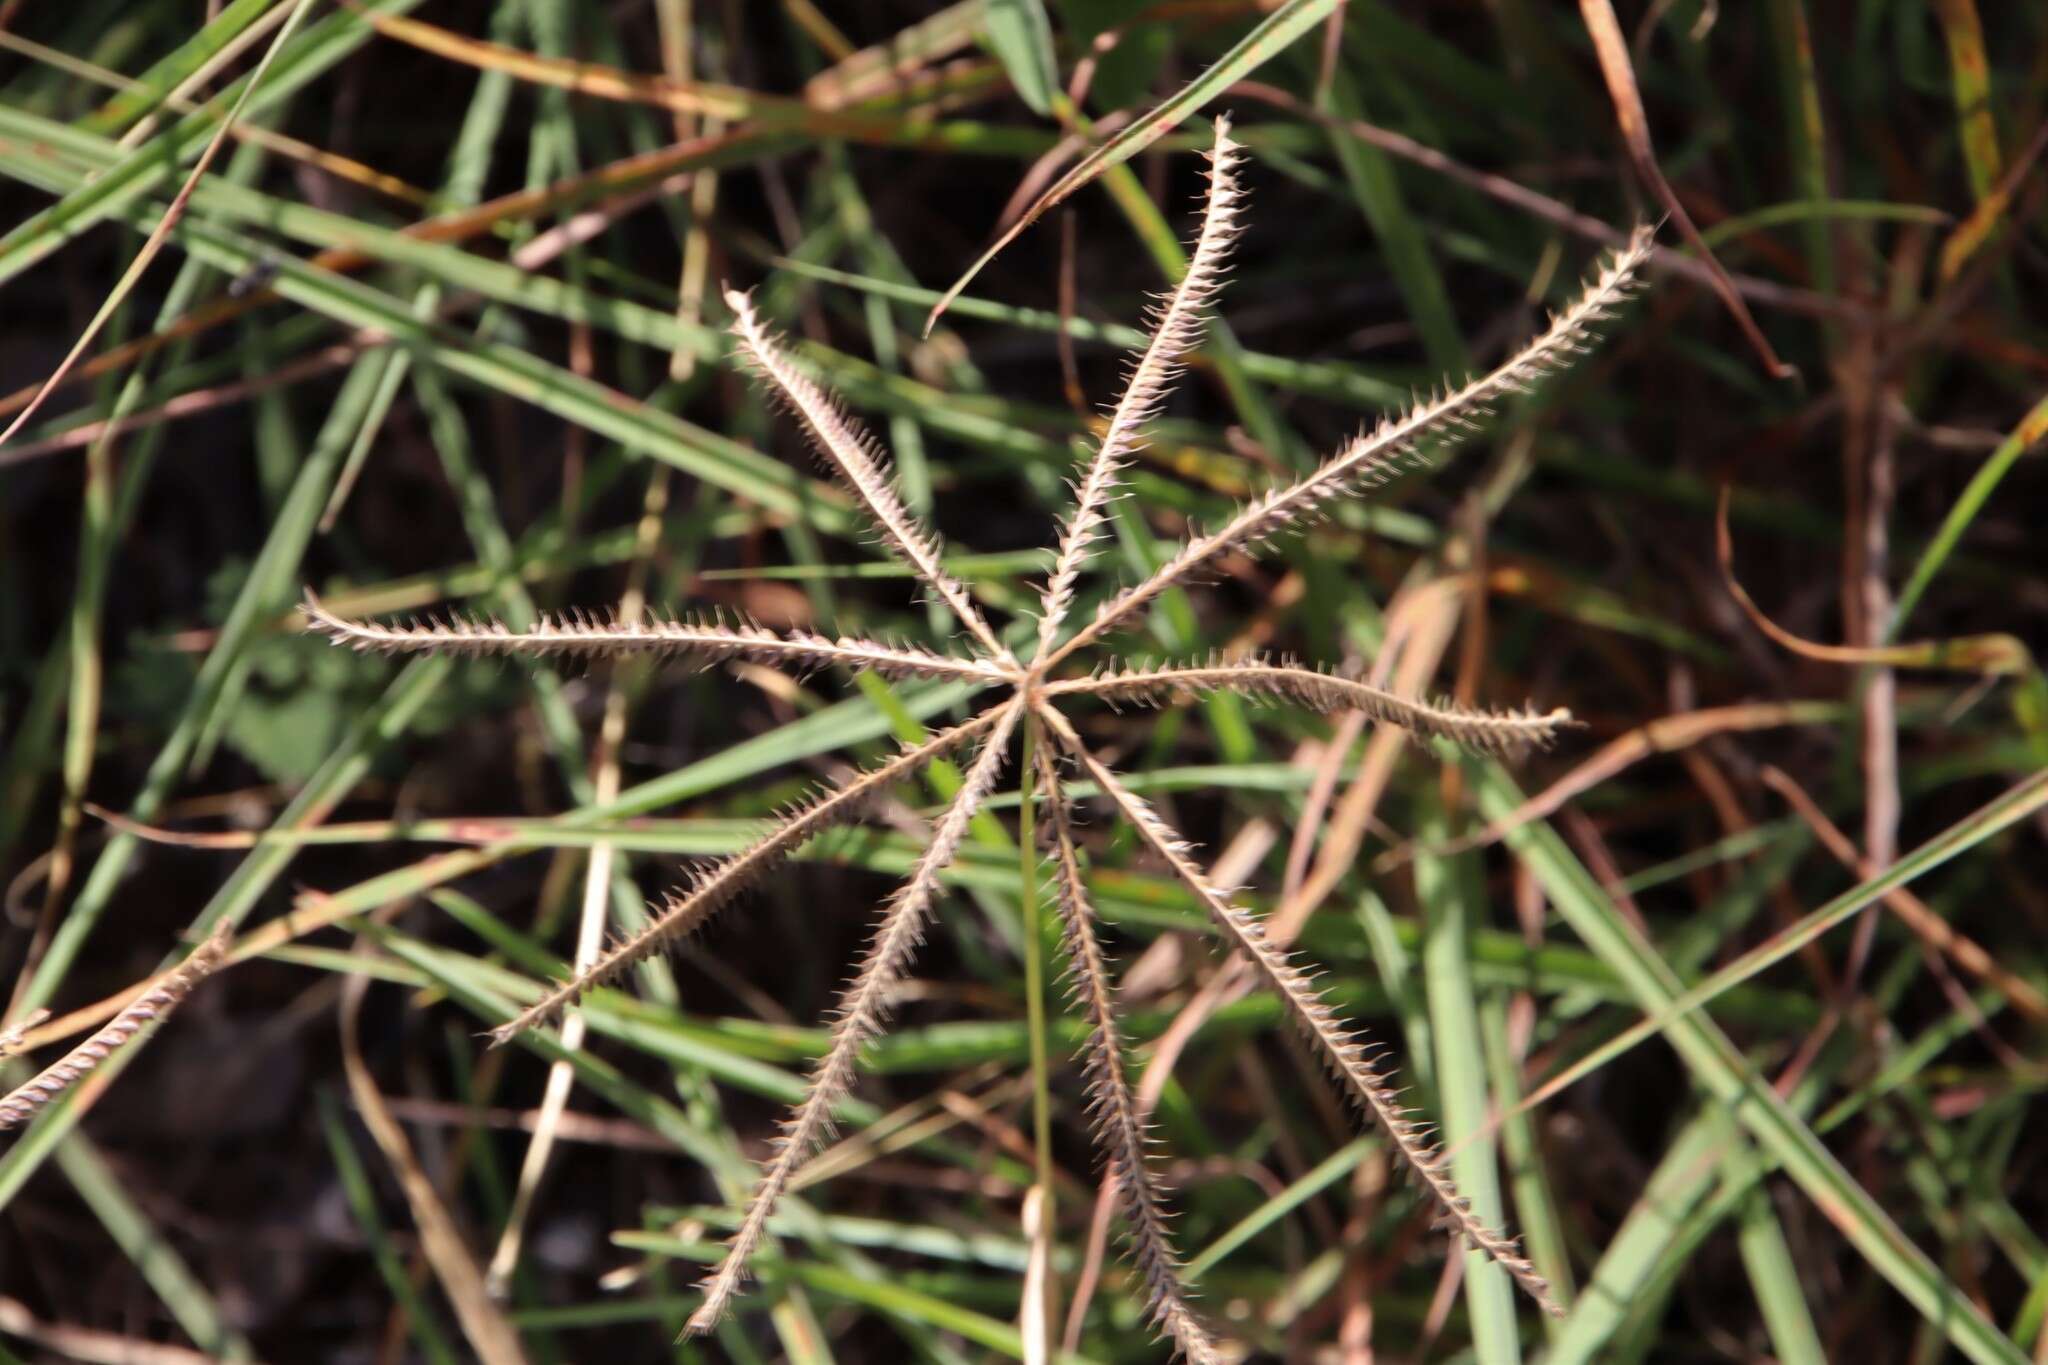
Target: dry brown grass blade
311, 912
340, 167
1993, 210
629, 179
582, 78
11, 1037
1992, 655
1619, 71
492, 1337
89, 1346
192, 404
152, 1004
870, 72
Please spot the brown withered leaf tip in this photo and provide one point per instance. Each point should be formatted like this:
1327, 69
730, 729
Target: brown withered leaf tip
1033, 687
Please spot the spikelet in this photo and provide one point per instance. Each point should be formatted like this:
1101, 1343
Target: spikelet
1350, 1062
1120, 1137
1395, 445
587, 634
153, 1006
857, 458
1491, 732
689, 908
1175, 329
859, 1017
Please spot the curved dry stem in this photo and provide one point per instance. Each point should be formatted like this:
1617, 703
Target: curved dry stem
1120, 1133
153, 1006
1350, 1061
11, 1036
1494, 732
1395, 444
858, 460
1177, 327
690, 908
861, 1011
603, 633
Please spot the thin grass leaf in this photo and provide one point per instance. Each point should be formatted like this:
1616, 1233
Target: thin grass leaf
158, 235
1262, 44
1729, 1078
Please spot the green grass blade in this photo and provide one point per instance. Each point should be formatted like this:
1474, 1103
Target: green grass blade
1254, 50
1446, 889
1718, 1068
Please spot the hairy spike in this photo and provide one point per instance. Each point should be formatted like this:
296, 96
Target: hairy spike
707, 892
1494, 732
1119, 1128
152, 1006
1347, 1059
1177, 329
858, 460
861, 1011
581, 633
1376, 456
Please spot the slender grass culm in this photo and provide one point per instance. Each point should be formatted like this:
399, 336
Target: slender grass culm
1034, 691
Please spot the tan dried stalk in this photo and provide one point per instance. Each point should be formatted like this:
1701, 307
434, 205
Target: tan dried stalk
1037, 689
11, 1036
153, 1006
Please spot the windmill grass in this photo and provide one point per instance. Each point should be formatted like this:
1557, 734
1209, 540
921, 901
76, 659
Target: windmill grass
1035, 690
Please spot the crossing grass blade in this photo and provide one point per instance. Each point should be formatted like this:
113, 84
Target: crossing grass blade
1266, 41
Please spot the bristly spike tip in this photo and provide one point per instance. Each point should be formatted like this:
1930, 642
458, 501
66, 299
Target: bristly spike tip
1177, 327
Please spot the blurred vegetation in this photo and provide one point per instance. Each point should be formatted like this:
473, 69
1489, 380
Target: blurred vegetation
439, 328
